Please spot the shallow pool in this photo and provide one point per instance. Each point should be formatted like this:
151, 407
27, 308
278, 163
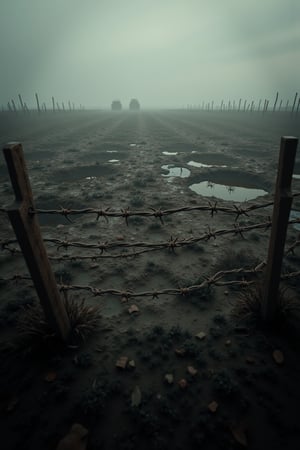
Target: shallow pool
199, 164
181, 172
229, 193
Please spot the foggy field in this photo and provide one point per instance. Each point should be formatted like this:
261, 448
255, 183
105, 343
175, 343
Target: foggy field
151, 161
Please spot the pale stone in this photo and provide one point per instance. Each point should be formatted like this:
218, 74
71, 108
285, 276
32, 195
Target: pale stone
201, 335
169, 378
213, 406
122, 362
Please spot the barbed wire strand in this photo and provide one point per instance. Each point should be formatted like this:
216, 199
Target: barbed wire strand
159, 213
171, 244
125, 295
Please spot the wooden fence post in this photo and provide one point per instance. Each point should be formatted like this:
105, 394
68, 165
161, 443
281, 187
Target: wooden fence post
37, 103
29, 236
281, 212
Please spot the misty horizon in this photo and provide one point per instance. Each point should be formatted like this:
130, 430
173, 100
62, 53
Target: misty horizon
168, 54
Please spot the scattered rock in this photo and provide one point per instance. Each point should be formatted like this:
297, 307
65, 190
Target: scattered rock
60, 226
192, 371
94, 266
50, 376
76, 439
122, 362
120, 237
201, 335
131, 364
182, 383
226, 292
213, 406
180, 351
278, 357
133, 309
136, 397
228, 342
169, 378
239, 435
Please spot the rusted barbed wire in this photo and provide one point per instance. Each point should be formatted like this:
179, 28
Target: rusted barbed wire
126, 213
214, 280
145, 247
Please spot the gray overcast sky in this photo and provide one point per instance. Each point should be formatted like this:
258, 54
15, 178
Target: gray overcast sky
164, 52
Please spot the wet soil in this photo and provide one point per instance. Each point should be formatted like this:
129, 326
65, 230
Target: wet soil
109, 160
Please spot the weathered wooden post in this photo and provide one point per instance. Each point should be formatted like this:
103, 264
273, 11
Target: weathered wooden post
295, 99
281, 212
21, 102
27, 230
275, 103
37, 103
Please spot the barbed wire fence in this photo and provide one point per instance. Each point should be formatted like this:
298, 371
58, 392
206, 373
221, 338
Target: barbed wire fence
118, 250
105, 249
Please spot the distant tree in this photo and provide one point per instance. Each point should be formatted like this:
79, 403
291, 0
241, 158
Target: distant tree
134, 105
116, 105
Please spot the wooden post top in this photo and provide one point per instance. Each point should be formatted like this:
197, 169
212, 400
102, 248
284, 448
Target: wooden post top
287, 155
13, 153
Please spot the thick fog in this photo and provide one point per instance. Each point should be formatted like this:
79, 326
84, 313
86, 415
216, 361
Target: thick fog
166, 53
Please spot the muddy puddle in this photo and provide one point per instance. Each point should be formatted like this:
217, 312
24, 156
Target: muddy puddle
202, 165
79, 172
103, 157
210, 160
173, 172
228, 193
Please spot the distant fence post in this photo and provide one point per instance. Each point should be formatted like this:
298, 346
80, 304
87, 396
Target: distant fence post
281, 212
29, 236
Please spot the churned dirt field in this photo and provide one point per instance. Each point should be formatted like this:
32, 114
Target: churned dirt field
173, 367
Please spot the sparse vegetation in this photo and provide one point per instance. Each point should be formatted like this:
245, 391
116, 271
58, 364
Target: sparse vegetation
84, 320
249, 303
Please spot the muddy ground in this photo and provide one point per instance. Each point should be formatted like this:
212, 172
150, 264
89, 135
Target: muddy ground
114, 160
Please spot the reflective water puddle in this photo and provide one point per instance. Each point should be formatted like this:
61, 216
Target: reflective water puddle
176, 171
229, 193
296, 176
295, 215
198, 164
113, 160
170, 153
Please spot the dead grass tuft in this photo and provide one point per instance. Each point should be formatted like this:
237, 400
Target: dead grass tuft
249, 303
84, 320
